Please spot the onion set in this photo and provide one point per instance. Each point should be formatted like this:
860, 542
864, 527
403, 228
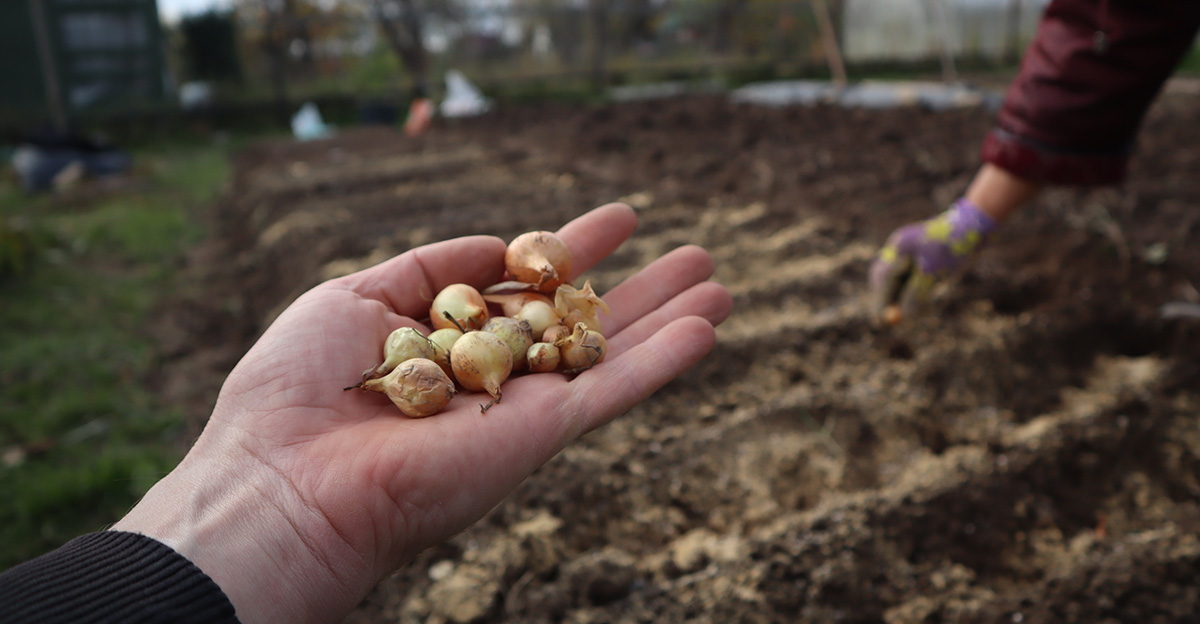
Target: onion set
539, 258
482, 361
538, 322
418, 386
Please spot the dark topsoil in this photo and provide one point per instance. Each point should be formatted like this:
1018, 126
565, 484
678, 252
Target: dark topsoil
1029, 452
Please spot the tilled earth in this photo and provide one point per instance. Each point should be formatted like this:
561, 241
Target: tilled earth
1028, 452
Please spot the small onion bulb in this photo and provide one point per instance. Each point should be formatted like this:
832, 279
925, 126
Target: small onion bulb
417, 386
442, 340
402, 344
481, 361
459, 306
540, 258
554, 333
511, 303
516, 334
543, 357
893, 315
583, 349
540, 315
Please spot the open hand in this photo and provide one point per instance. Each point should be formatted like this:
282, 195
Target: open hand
299, 497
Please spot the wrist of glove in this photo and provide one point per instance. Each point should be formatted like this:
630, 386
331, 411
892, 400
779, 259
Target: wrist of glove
918, 255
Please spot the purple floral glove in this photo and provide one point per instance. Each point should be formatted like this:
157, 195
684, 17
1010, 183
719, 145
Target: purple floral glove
916, 256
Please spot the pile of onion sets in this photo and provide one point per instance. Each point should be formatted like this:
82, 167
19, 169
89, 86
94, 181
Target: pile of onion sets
535, 322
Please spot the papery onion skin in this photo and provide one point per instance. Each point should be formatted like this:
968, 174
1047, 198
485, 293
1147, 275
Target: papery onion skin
555, 333
542, 357
579, 305
575, 317
463, 303
540, 258
515, 333
481, 361
583, 349
419, 387
511, 303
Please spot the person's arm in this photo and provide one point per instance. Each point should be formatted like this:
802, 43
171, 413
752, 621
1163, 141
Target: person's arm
999, 193
1071, 115
298, 497
1069, 118
112, 576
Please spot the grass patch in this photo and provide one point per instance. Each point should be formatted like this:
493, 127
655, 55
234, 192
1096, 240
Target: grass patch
81, 437
1190, 65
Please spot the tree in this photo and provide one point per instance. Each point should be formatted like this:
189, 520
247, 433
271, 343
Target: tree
402, 23
210, 46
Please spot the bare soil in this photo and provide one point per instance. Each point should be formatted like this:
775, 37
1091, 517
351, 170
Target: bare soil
1029, 452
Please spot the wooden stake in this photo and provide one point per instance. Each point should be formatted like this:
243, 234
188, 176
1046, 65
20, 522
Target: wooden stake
829, 41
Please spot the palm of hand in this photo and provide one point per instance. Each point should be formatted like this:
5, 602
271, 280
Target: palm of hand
370, 488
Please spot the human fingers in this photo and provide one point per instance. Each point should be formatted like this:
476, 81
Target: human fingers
889, 276
408, 282
708, 300
629, 377
540, 414
488, 455
591, 237
654, 285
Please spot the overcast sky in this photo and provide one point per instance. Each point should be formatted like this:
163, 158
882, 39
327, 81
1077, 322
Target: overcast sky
170, 10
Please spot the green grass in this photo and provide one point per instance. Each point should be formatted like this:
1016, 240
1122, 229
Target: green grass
1190, 65
81, 435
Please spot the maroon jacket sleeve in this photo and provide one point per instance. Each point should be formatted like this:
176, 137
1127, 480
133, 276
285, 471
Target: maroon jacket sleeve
1086, 81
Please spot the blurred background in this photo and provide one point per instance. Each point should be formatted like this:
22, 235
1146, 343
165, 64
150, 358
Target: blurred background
174, 172
230, 60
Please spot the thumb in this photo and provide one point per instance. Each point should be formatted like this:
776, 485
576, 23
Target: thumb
889, 275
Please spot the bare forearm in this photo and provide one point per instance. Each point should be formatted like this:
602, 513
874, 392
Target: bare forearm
1000, 193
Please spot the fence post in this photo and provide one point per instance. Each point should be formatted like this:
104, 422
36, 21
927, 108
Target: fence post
1012, 47
949, 73
41, 34
833, 55
599, 19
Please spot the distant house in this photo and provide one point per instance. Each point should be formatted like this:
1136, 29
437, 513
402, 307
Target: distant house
59, 58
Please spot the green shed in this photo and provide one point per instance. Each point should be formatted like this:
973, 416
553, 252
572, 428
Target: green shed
61, 58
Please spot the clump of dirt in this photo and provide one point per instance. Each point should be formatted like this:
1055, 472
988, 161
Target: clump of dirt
1027, 452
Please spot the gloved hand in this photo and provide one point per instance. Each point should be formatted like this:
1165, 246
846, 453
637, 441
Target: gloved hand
916, 256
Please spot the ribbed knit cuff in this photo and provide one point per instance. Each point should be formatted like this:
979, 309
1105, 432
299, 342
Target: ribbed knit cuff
112, 576
1042, 164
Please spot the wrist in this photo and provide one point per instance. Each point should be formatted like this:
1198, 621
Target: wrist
968, 218
224, 520
998, 193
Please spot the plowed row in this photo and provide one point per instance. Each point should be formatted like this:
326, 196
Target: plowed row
1028, 453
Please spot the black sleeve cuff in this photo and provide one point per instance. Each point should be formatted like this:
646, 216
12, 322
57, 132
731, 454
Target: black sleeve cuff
112, 576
